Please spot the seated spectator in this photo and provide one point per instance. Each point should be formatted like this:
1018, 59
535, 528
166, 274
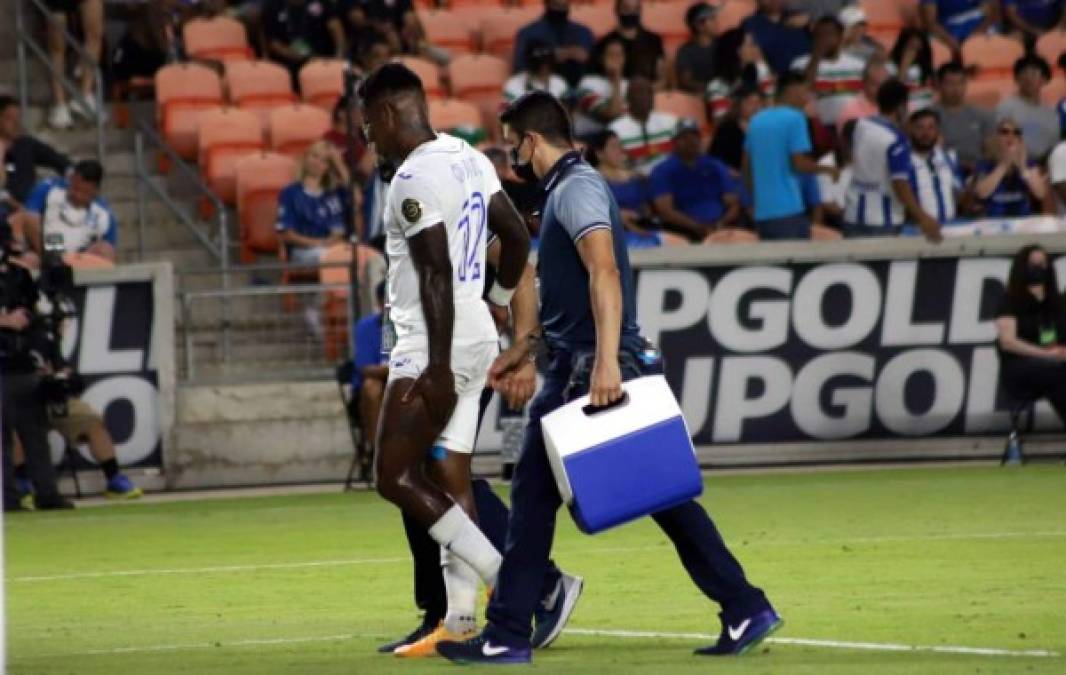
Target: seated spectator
538, 74
937, 181
738, 64
911, 60
571, 41
727, 146
834, 190
694, 194
371, 370
881, 196
1033, 18
646, 135
856, 40
952, 21
1010, 183
645, 56
311, 210
864, 105
152, 39
21, 154
776, 155
600, 97
359, 160
965, 127
694, 63
90, 16
359, 28
835, 76
375, 52
780, 33
1031, 331
1039, 123
73, 210
630, 190
297, 30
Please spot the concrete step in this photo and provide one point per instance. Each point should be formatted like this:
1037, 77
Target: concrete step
180, 258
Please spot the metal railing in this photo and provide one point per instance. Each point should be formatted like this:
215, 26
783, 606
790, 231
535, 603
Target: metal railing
27, 43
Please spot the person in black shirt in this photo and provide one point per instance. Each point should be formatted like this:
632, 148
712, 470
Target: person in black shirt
645, 55
694, 64
728, 142
1031, 324
21, 155
297, 30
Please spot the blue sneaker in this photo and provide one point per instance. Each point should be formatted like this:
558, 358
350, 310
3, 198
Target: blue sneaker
480, 649
121, 487
744, 636
549, 623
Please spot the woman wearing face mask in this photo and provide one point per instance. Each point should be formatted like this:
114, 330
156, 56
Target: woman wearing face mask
600, 97
1031, 323
645, 56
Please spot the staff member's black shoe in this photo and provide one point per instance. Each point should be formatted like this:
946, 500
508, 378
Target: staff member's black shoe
414, 636
55, 503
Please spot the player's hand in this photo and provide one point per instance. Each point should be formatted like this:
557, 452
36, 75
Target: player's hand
508, 362
606, 386
436, 387
499, 316
520, 385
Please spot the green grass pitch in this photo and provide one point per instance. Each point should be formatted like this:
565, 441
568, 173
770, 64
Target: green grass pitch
955, 557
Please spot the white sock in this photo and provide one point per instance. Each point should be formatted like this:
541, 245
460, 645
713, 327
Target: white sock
456, 532
460, 582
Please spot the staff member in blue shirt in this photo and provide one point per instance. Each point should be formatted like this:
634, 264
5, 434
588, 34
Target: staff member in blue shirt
311, 211
588, 319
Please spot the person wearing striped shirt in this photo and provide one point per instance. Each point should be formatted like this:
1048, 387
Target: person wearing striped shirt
600, 96
738, 63
835, 75
538, 75
937, 180
881, 197
647, 135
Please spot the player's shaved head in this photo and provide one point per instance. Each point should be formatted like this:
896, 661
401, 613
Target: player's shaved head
395, 111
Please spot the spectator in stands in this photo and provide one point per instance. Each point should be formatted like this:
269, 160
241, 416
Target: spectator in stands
911, 60
371, 370
73, 210
864, 105
646, 134
311, 210
600, 96
1039, 123
152, 39
572, 41
1011, 183
881, 196
835, 76
360, 162
856, 40
631, 191
1031, 331
1057, 166
776, 154
816, 9
952, 21
834, 190
694, 63
1033, 18
21, 154
694, 194
538, 74
780, 33
738, 64
645, 56
359, 29
374, 53
90, 13
413, 41
937, 181
966, 128
727, 145
297, 30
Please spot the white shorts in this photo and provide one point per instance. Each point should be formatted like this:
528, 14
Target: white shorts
470, 367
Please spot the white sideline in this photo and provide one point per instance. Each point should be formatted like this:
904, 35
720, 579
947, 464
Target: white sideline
590, 550
625, 634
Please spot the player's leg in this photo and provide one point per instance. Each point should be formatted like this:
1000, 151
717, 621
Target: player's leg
430, 596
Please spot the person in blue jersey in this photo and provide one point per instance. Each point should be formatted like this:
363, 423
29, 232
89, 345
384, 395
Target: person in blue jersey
72, 209
937, 179
1033, 18
311, 210
881, 197
630, 190
588, 324
1011, 184
952, 21
780, 33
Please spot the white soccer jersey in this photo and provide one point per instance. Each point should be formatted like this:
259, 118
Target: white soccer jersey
442, 181
936, 181
881, 154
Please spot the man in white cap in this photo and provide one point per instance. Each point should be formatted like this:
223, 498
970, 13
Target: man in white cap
857, 42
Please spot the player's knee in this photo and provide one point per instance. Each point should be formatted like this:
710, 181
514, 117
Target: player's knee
393, 485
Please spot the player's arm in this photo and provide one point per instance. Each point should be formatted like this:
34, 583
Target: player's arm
513, 373
510, 230
596, 249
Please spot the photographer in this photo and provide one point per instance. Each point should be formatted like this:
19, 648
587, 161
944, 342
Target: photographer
23, 338
73, 210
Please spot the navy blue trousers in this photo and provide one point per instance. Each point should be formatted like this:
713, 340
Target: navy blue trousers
535, 502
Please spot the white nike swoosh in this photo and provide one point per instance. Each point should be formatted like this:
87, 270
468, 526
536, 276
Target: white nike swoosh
735, 633
488, 650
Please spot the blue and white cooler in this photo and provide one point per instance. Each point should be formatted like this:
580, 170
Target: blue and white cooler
624, 462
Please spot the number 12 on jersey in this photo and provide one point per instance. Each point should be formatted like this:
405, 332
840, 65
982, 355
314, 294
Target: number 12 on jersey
472, 230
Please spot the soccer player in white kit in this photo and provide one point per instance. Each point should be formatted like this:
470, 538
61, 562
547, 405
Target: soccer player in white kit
440, 207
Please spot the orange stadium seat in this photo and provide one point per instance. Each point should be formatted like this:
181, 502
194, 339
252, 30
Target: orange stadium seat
428, 72
988, 93
227, 135
600, 18
500, 27
733, 12
1051, 46
322, 82
294, 128
219, 39
941, 53
183, 91
336, 271
683, 105
452, 29
994, 55
479, 79
260, 178
457, 117
668, 20
259, 86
